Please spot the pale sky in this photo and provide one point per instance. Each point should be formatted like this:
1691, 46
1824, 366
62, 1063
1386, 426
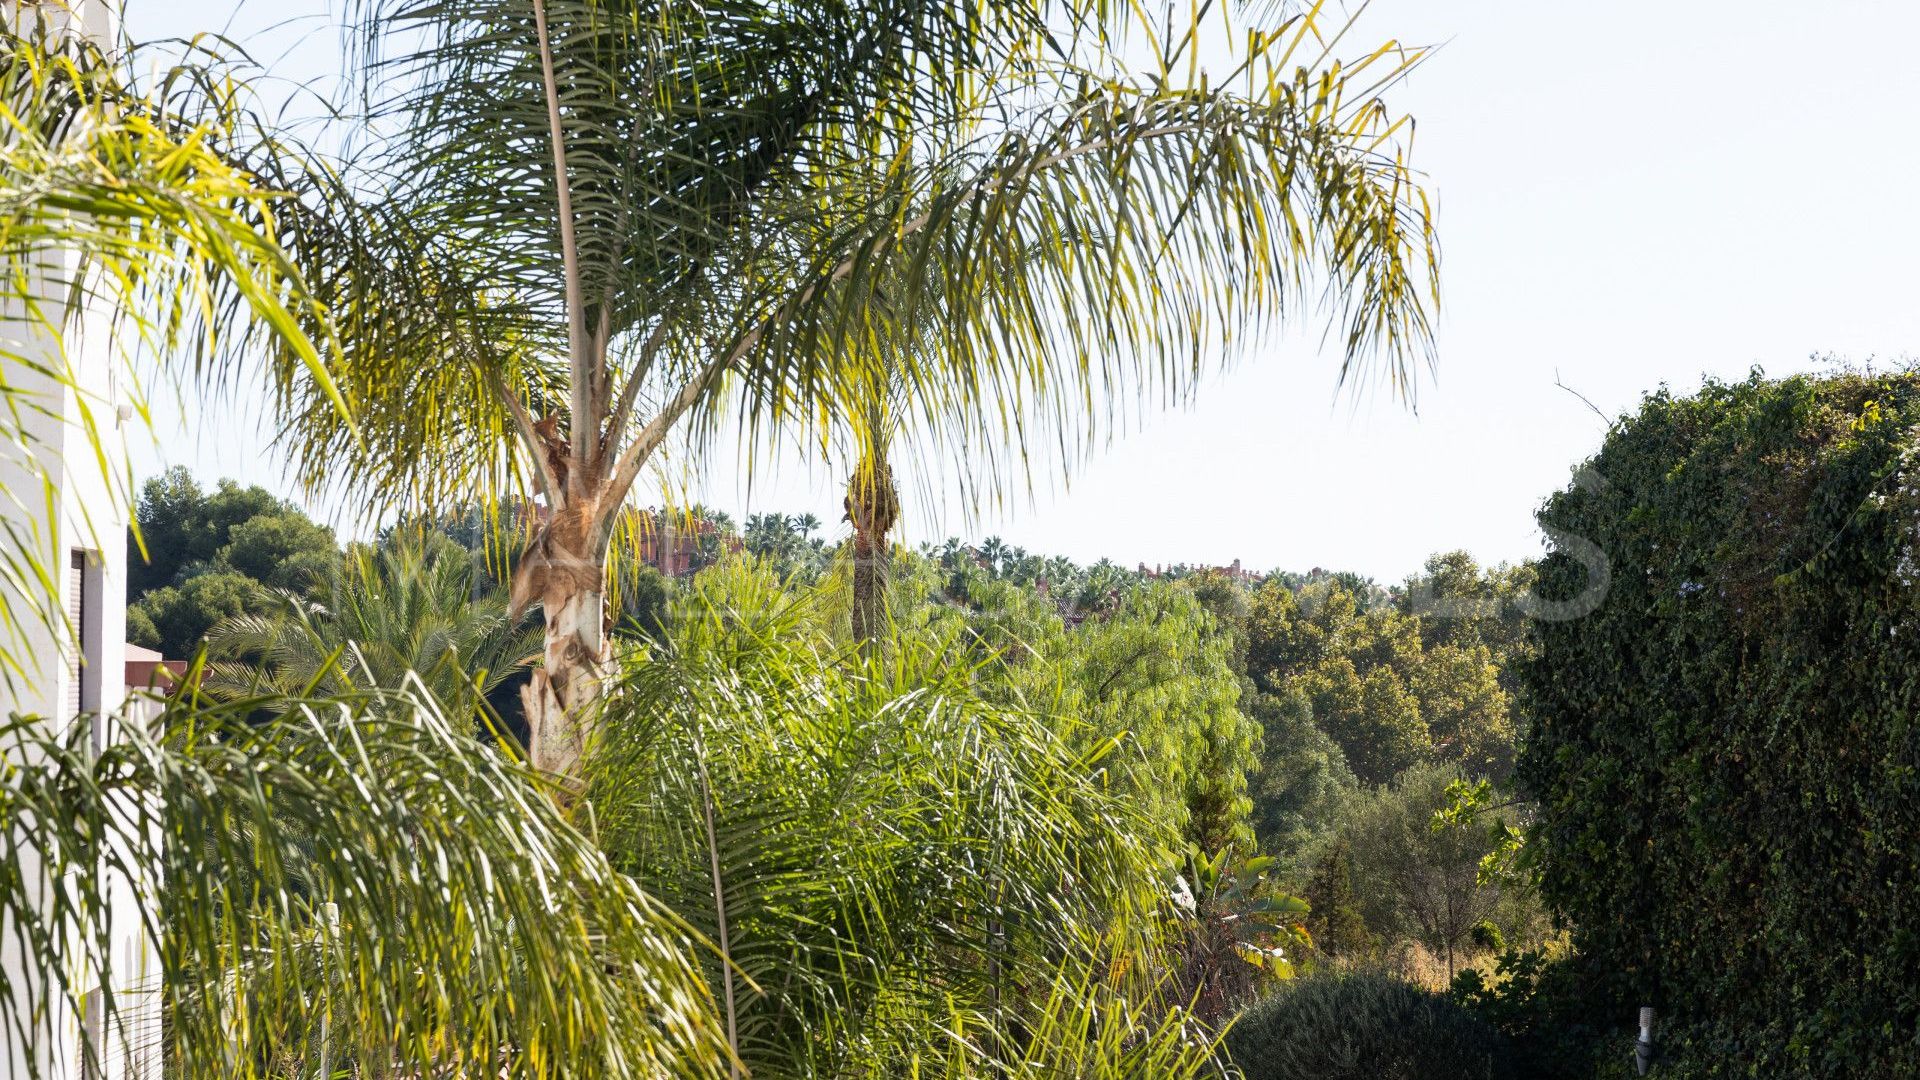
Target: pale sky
1629, 195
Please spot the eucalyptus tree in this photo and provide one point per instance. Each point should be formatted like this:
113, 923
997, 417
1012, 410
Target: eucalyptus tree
575, 227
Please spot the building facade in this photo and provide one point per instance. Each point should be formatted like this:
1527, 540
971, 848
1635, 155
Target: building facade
65, 495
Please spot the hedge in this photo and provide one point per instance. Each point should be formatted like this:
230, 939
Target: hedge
1724, 750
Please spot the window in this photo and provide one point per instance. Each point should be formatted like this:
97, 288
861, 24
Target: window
86, 661
77, 622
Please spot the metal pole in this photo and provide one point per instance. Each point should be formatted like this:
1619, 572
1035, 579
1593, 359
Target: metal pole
1643, 1048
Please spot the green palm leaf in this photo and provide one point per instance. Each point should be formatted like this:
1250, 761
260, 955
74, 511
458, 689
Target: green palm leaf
408, 609
357, 860
125, 232
889, 855
586, 225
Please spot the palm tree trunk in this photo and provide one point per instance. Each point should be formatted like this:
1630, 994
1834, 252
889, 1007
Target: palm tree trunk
565, 569
869, 586
873, 506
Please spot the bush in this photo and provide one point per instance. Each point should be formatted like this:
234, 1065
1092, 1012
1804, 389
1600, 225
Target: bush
1486, 937
1724, 751
1561, 1027
1365, 1027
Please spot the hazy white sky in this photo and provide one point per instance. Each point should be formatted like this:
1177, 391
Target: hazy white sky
1629, 195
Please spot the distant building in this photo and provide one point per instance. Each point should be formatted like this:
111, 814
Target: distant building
678, 544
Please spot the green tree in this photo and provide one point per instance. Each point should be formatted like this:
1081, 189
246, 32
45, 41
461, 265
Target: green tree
181, 529
314, 865
1303, 778
282, 550
1465, 707
1388, 683
386, 615
1158, 673
1338, 928
175, 618
595, 224
1373, 717
1721, 721
205, 554
1459, 603
1415, 874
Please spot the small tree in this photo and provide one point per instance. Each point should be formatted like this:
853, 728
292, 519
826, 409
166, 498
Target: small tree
1336, 924
1414, 874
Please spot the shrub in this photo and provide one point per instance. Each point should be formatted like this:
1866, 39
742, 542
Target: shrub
1365, 1027
1724, 750
1486, 937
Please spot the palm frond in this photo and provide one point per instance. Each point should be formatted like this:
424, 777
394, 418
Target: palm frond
884, 846
402, 611
353, 858
750, 186
125, 233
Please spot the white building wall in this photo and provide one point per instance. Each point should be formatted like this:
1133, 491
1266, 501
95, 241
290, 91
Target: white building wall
57, 496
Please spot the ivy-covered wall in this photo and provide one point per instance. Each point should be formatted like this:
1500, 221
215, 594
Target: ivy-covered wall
1725, 751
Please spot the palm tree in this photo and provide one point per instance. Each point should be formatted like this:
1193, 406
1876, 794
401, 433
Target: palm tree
356, 876
407, 609
356, 864
894, 869
598, 223
1061, 572
993, 551
873, 507
767, 534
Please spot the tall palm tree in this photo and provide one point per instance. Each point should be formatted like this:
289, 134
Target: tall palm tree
873, 506
586, 224
437, 867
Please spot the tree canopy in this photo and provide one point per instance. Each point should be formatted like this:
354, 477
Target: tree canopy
195, 557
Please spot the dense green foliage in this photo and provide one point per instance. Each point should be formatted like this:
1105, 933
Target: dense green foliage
884, 859
1213, 698
1158, 672
1238, 686
411, 605
1724, 750
358, 858
1365, 1027
1416, 876
197, 557
574, 232
1416, 678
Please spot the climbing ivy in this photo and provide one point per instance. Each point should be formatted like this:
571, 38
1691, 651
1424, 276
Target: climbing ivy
1724, 750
